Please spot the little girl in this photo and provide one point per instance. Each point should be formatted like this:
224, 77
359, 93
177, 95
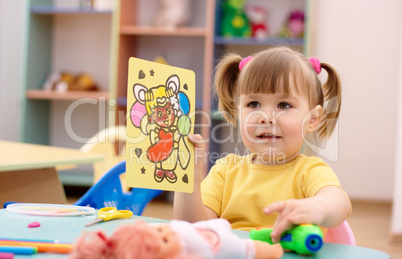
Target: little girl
277, 98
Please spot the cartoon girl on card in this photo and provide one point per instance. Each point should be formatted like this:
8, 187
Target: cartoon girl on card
166, 122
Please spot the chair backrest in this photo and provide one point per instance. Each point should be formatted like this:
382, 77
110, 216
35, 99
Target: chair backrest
104, 142
342, 234
107, 192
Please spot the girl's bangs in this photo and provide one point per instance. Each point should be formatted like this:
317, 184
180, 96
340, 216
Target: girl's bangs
267, 78
275, 74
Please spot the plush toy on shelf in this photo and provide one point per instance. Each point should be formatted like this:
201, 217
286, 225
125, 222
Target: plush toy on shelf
258, 20
175, 240
65, 81
161, 60
234, 21
173, 13
294, 27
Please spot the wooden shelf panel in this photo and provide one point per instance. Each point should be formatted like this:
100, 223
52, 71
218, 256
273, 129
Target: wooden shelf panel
218, 40
159, 31
70, 95
52, 10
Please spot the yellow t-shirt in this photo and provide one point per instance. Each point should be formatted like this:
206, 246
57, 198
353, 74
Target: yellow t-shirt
238, 190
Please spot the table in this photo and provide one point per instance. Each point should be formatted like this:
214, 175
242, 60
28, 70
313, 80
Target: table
28, 174
68, 229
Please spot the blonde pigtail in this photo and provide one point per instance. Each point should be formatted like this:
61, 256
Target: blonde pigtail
226, 75
332, 91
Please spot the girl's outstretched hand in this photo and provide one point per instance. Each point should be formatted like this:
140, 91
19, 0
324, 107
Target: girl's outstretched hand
328, 208
294, 212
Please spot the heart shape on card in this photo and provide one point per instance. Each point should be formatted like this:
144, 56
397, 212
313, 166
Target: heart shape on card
185, 178
138, 152
141, 74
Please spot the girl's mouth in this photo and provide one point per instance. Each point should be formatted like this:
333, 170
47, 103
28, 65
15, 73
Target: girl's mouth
268, 136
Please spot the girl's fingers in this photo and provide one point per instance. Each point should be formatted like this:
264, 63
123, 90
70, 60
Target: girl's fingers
284, 223
280, 226
298, 219
197, 140
278, 206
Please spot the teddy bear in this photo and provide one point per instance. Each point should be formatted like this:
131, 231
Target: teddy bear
66, 81
172, 13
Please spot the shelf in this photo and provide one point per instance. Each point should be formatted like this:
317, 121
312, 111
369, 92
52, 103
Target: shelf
159, 31
218, 40
216, 115
70, 95
51, 10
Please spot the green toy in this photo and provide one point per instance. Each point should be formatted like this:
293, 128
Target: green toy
234, 20
303, 239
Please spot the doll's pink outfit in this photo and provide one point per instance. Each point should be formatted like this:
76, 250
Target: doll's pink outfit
212, 239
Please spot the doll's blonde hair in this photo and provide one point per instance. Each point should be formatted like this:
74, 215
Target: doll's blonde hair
271, 71
157, 96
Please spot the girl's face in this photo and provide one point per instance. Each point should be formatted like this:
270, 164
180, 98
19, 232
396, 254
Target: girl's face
274, 125
163, 116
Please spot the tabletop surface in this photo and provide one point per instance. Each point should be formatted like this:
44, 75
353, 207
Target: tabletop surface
68, 229
20, 156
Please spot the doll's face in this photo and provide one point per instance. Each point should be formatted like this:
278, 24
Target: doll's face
163, 116
168, 241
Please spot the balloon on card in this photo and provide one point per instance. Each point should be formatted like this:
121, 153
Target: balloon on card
137, 112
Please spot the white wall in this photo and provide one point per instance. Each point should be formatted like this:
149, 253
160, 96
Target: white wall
360, 38
12, 25
396, 227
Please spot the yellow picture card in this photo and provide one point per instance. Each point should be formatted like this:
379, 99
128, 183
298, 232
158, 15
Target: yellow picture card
160, 117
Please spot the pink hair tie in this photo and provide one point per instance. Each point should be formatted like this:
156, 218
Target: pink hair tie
315, 63
244, 62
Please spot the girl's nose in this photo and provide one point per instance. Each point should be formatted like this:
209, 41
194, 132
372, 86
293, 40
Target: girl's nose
265, 119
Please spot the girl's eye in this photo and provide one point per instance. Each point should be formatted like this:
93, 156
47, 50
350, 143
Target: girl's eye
284, 105
254, 105
159, 114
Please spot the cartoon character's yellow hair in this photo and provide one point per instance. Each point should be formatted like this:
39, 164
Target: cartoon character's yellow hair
157, 96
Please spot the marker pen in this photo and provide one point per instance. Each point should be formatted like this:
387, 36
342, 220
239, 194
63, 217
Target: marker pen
19, 250
6, 255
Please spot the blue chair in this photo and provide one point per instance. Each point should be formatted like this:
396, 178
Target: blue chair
107, 192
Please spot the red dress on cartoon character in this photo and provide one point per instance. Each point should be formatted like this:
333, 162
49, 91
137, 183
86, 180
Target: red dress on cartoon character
161, 150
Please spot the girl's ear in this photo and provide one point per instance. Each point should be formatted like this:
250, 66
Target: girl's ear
315, 116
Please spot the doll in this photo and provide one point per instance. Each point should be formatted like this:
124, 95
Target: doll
173, 13
178, 239
258, 16
234, 21
294, 27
